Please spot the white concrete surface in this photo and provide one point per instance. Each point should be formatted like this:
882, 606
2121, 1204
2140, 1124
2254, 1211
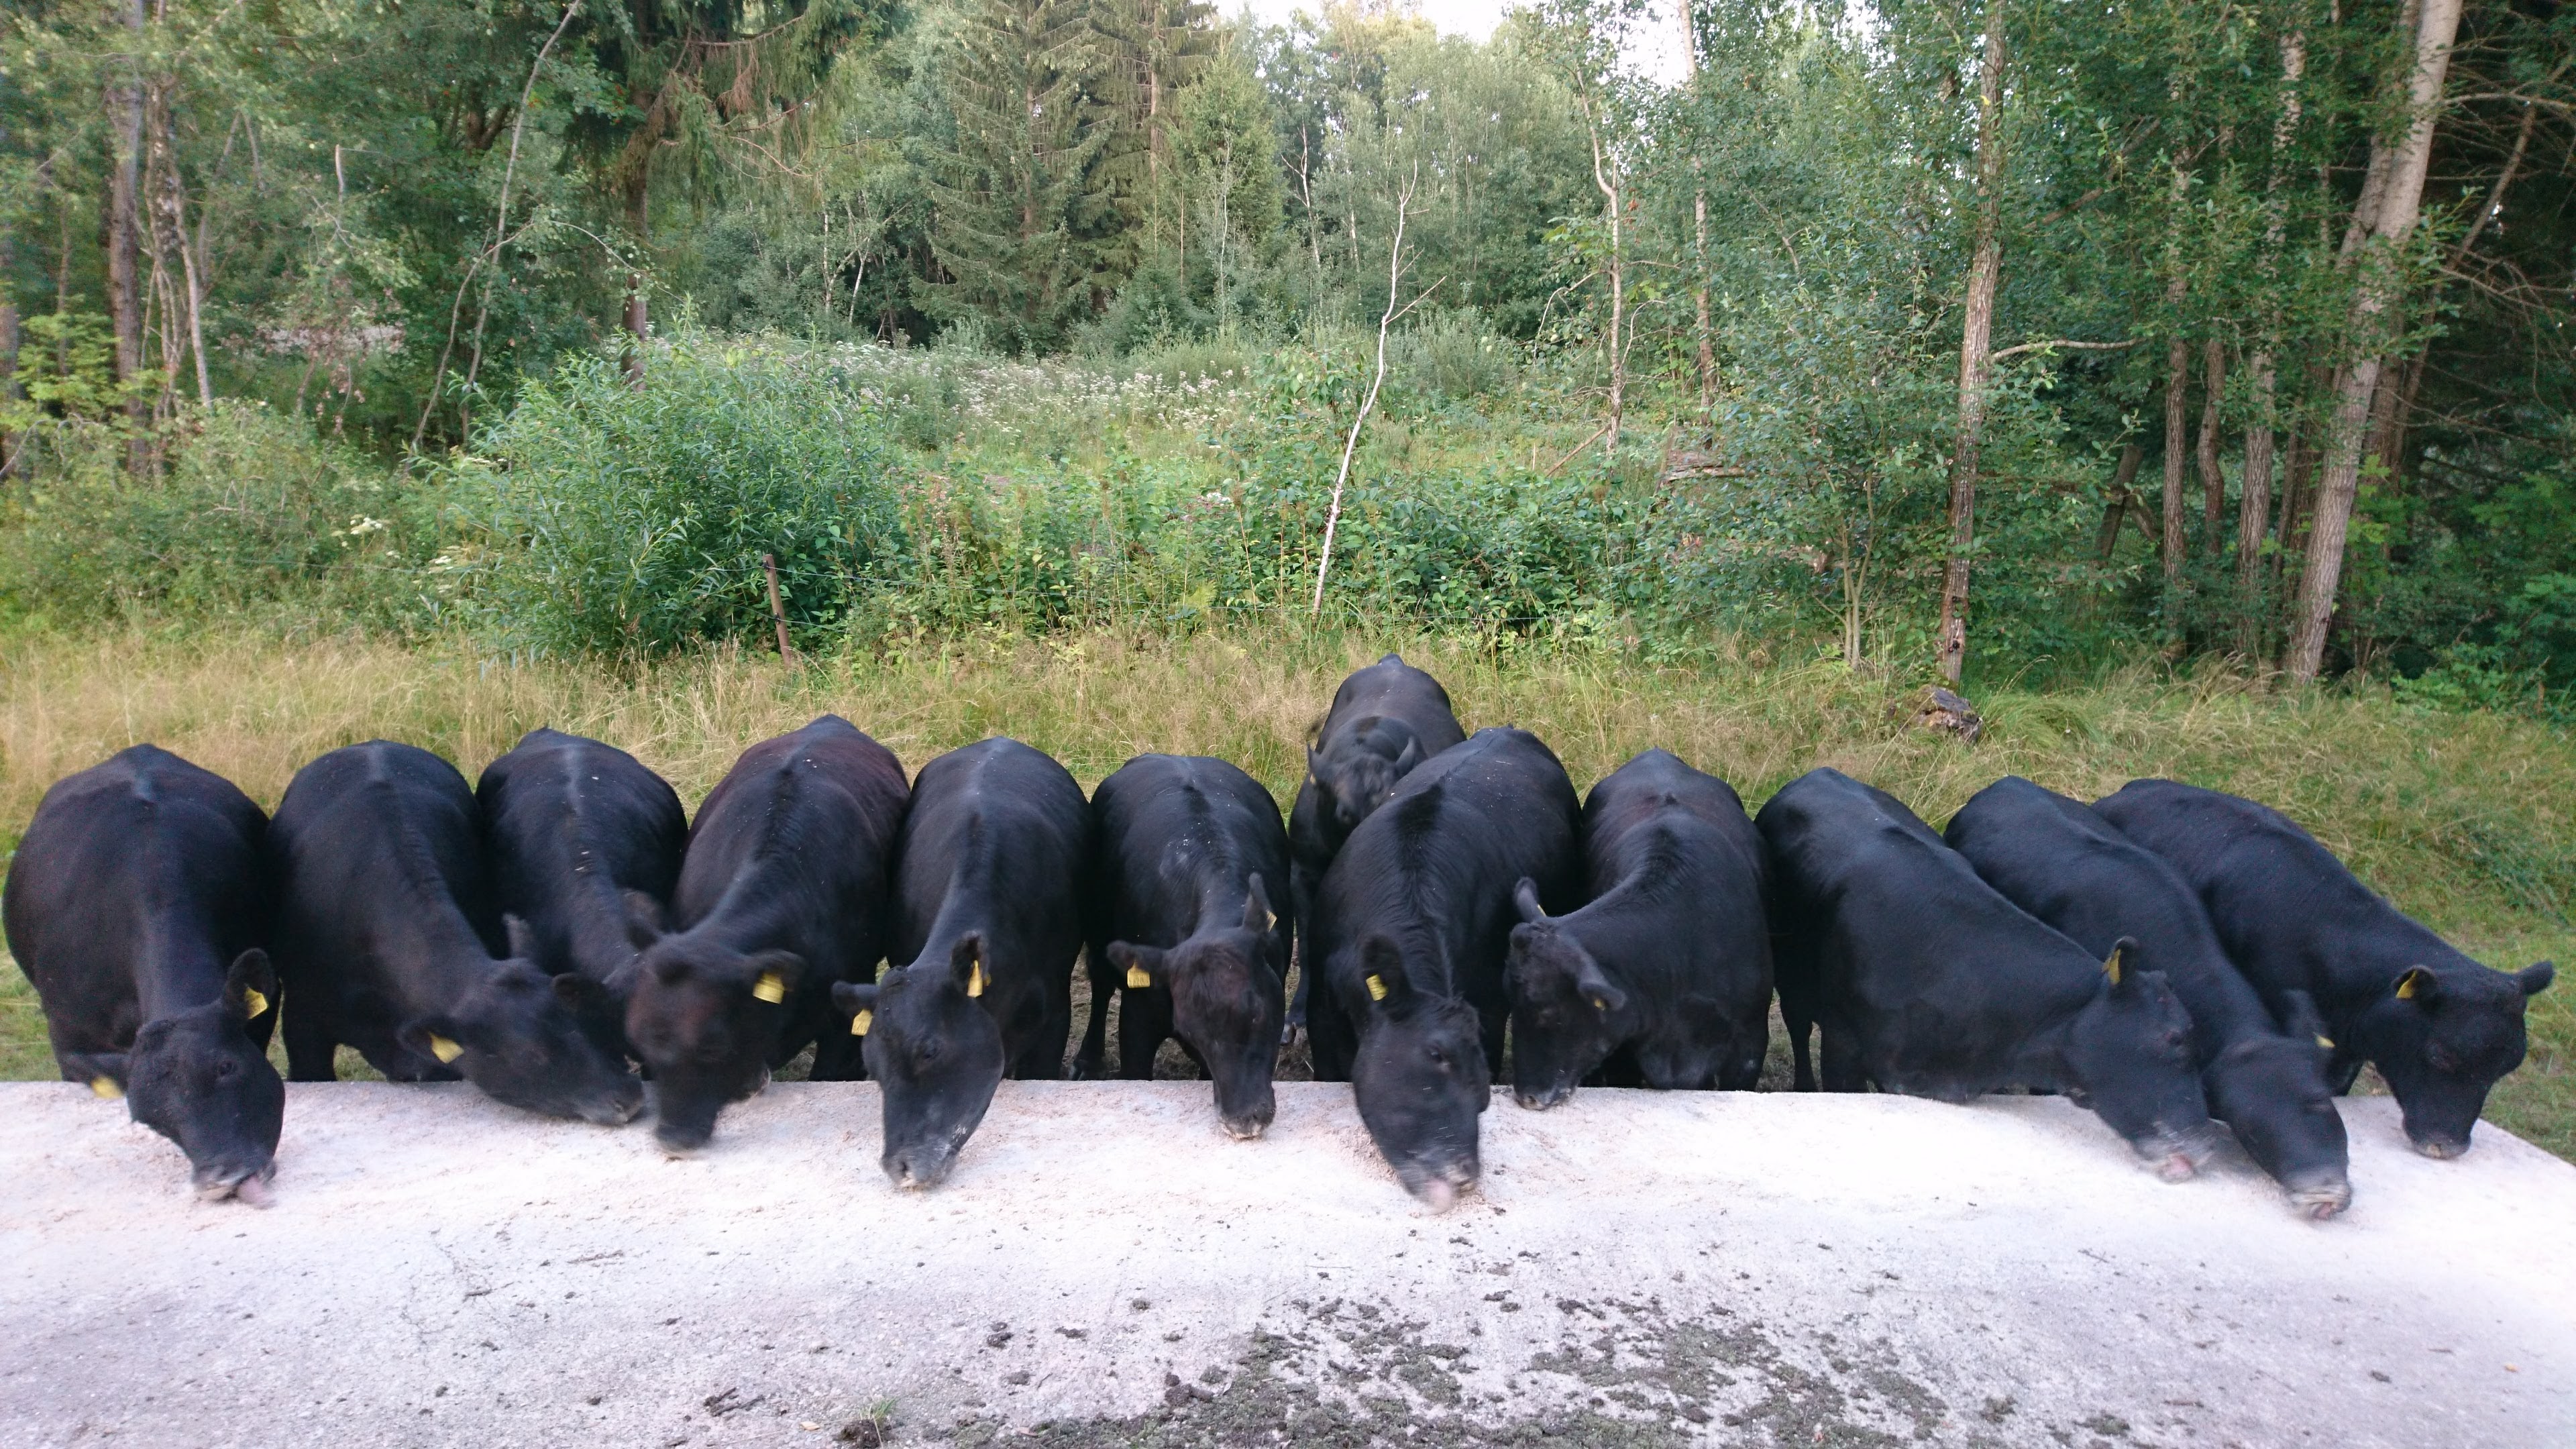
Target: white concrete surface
1639, 1268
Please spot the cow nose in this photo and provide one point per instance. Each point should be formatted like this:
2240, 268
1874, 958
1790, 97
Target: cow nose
2320, 1198
215, 1184
1245, 1129
677, 1140
2444, 1148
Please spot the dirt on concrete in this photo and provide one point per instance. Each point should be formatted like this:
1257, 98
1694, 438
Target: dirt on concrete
1106, 1268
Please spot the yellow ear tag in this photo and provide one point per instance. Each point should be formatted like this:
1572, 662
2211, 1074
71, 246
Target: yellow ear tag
860, 1023
446, 1051
106, 1086
2326, 1042
1377, 989
975, 980
1269, 919
1600, 1005
1137, 978
2406, 987
253, 1003
2111, 968
771, 987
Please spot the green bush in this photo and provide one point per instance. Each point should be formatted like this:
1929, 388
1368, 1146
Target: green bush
599, 516
246, 508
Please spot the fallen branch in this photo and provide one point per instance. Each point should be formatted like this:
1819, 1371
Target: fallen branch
2066, 343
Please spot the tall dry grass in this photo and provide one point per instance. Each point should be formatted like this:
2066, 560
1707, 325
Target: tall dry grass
2468, 821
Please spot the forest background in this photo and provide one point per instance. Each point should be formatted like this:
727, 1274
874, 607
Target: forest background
2188, 381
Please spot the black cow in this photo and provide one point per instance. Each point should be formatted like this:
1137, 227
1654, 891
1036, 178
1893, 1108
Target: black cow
134, 907
2440, 1028
782, 895
1926, 981
2064, 864
389, 937
1188, 847
988, 888
573, 826
1412, 924
1664, 979
1386, 719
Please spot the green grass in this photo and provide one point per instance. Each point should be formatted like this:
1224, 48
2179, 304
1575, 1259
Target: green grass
2467, 821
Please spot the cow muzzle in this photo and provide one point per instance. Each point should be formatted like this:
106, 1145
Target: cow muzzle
250, 1185
2319, 1198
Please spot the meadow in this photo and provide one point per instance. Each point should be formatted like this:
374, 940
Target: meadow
2462, 819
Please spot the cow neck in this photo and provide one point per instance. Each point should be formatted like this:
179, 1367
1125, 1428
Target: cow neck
437, 954
2040, 1061
760, 903
179, 965
966, 904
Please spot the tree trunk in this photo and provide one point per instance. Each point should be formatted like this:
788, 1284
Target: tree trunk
639, 215
1976, 349
2177, 455
2116, 511
124, 226
1699, 241
1618, 355
2376, 292
2254, 507
2213, 480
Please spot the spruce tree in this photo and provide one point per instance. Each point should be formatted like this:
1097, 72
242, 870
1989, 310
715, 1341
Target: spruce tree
1018, 203
1158, 50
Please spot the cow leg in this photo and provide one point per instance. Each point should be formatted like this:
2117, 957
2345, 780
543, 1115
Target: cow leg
1095, 1034
838, 1056
1331, 1043
1144, 1021
310, 1045
1301, 914
1842, 1064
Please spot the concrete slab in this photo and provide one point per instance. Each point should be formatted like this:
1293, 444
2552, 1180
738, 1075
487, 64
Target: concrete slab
1106, 1268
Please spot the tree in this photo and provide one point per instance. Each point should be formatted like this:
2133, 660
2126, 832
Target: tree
2398, 167
1227, 171
1017, 195
1976, 346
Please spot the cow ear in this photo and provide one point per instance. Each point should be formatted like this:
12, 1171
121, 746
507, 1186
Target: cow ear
250, 987
2419, 986
101, 1072
773, 974
1382, 967
1315, 770
2117, 966
1143, 964
1409, 756
2535, 978
436, 1036
966, 963
1598, 988
523, 942
2301, 1021
643, 919
856, 1000
1525, 896
1257, 915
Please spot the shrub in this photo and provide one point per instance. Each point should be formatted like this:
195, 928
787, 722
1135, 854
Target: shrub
600, 516
248, 508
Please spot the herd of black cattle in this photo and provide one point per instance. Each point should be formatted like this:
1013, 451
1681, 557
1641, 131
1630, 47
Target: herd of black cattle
2165, 956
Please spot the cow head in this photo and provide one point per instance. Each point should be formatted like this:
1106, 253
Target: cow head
2271, 1092
197, 1078
1419, 1078
534, 1041
936, 1055
2442, 1041
1356, 770
1226, 1003
703, 1017
2129, 1057
1567, 1014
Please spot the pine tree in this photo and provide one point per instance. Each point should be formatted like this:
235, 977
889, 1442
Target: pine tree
1018, 203
1158, 50
1225, 154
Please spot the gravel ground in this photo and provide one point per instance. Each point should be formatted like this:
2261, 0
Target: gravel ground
1105, 1268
